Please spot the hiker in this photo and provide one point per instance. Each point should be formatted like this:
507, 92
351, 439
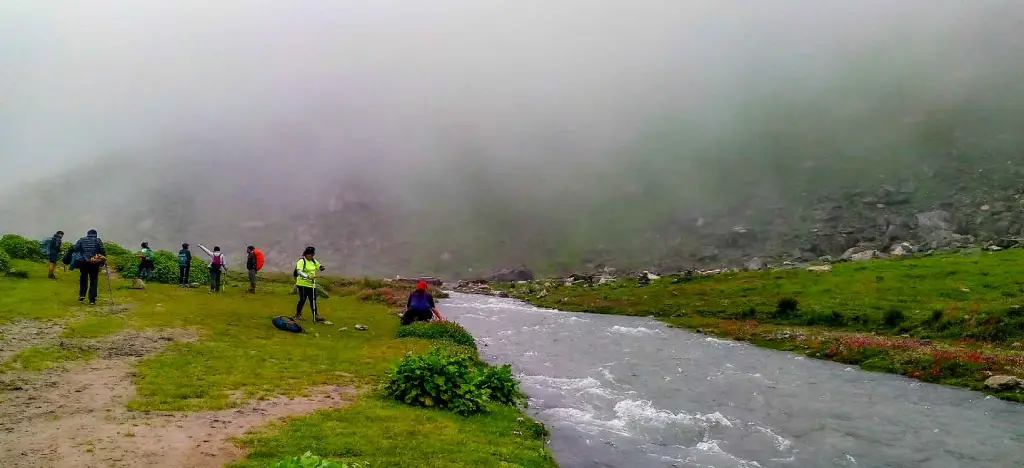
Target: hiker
184, 265
217, 264
420, 307
53, 252
305, 283
250, 265
146, 263
91, 255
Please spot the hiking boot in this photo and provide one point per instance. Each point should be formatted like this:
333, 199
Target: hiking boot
298, 317
51, 276
319, 320
81, 299
92, 302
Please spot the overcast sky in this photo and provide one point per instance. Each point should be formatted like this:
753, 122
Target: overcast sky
84, 79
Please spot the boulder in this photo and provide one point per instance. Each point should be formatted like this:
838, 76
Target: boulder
756, 264
902, 249
137, 283
1004, 382
865, 255
510, 275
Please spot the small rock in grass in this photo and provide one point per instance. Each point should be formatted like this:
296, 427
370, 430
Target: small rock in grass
343, 329
138, 284
361, 327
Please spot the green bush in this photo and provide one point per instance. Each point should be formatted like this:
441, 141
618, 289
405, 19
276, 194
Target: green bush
21, 248
165, 267
443, 331
115, 250
438, 380
893, 317
502, 386
5, 262
308, 460
453, 380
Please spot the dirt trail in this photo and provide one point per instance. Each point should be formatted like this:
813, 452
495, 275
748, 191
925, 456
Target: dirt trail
78, 417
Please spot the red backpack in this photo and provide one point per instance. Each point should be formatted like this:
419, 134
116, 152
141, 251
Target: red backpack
218, 259
259, 259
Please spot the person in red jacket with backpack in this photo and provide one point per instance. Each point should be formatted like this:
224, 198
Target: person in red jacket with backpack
253, 263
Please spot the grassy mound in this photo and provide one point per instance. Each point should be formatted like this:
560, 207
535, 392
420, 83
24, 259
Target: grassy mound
440, 331
21, 248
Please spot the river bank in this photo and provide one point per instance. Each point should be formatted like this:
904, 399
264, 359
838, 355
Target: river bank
952, 319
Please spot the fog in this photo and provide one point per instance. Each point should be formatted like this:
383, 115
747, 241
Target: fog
542, 107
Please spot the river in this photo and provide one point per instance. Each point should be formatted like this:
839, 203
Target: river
631, 392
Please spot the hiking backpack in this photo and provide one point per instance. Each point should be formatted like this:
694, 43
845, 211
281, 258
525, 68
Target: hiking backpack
218, 260
44, 245
287, 324
420, 301
182, 258
259, 259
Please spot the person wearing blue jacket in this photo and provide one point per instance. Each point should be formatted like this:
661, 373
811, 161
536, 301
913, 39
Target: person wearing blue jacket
89, 248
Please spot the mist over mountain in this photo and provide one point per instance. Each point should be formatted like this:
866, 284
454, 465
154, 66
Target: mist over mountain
457, 137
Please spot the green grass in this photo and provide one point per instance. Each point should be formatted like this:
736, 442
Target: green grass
239, 355
95, 327
394, 435
40, 358
441, 331
861, 294
952, 319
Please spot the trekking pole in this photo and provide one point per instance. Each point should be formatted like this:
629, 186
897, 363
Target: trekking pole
110, 288
313, 300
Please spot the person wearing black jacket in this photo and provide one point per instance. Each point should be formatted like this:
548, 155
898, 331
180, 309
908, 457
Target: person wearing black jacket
184, 265
250, 265
89, 270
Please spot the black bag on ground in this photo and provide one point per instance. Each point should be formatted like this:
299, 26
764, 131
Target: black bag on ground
287, 324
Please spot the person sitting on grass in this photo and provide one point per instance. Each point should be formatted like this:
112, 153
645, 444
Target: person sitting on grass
420, 307
305, 282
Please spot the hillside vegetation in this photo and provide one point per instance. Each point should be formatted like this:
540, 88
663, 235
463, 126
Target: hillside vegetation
956, 319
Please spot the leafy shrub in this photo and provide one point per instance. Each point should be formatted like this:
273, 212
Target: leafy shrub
21, 248
5, 261
115, 250
502, 386
443, 331
308, 460
380, 295
893, 317
438, 380
786, 307
165, 267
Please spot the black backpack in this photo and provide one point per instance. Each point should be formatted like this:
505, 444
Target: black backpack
295, 273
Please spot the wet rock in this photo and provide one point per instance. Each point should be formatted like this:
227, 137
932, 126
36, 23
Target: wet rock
137, 283
1004, 382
